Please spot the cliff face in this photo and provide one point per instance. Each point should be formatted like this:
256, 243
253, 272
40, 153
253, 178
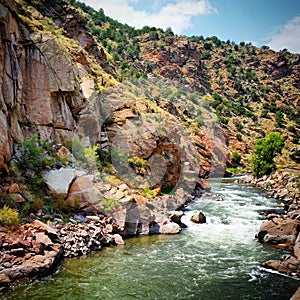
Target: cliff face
55, 78
46, 85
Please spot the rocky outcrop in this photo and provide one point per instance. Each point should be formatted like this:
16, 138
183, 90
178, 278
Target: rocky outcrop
31, 252
35, 250
282, 185
137, 215
279, 231
44, 87
283, 226
82, 238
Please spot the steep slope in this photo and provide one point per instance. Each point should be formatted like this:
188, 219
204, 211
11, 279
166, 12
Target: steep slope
163, 111
252, 91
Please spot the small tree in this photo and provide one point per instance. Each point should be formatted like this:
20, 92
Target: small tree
265, 151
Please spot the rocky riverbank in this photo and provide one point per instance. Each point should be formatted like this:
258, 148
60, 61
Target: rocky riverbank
282, 226
35, 250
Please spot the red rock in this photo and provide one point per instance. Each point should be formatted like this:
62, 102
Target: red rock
42, 238
14, 189
4, 278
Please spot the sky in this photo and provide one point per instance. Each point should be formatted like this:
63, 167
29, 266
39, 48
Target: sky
275, 23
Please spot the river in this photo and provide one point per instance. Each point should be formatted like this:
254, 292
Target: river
212, 261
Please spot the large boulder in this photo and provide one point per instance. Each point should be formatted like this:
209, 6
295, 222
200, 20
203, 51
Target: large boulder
198, 217
59, 181
279, 230
85, 194
287, 264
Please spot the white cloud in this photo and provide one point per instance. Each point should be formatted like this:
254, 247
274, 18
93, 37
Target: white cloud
176, 15
288, 36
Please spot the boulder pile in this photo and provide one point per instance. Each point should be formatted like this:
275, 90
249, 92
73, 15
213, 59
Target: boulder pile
282, 226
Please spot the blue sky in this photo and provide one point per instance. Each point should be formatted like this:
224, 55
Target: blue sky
275, 23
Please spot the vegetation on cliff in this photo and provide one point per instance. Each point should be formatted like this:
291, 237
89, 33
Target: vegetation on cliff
253, 91
101, 77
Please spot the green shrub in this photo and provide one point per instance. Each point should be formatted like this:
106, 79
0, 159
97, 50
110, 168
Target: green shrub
239, 137
236, 158
30, 155
9, 217
239, 126
292, 129
139, 164
265, 151
109, 204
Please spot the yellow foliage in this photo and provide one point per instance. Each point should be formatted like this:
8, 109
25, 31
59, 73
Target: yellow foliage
9, 217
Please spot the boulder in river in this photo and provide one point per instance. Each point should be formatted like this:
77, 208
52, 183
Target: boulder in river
278, 231
198, 217
287, 264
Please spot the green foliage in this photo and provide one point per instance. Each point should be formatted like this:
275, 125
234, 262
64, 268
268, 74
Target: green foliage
208, 46
139, 164
91, 158
30, 155
9, 217
148, 192
236, 159
239, 126
239, 136
279, 117
109, 204
265, 151
265, 114
292, 129
235, 171
230, 60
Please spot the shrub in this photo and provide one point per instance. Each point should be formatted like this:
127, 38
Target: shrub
239, 126
265, 151
30, 155
292, 129
9, 217
139, 164
239, 137
236, 158
109, 204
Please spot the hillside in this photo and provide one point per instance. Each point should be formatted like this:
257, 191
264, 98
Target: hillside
252, 91
143, 107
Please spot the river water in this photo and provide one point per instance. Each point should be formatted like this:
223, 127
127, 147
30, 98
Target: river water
212, 261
